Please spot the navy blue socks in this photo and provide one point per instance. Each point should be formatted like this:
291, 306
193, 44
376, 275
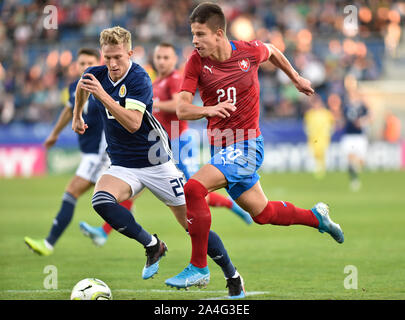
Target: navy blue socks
62, 219
120, 218
218, 253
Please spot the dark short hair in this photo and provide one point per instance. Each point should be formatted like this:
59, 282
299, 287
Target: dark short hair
211, 14
89, 52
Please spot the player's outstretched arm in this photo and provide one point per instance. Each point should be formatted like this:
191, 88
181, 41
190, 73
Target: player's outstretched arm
280, 61
186, 110
81, 97
64, 118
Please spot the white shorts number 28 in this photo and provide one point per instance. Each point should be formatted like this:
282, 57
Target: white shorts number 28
165, 181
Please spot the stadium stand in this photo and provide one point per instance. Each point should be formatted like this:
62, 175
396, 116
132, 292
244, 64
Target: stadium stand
36, 63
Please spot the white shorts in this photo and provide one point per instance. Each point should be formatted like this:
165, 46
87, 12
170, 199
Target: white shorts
92, 166
165, 181
355, 144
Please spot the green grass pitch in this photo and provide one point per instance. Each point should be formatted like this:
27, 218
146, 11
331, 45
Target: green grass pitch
277, 263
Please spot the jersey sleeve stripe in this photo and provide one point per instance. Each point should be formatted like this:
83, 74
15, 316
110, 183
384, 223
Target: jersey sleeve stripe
132, 104
267, 45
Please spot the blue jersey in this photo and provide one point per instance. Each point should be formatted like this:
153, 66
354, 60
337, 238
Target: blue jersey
352, 114
150, 144
91, 140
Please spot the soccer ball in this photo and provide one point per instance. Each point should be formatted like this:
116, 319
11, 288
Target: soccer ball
91, 289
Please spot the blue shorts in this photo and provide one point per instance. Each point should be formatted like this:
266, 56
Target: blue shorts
186, 153
239, 163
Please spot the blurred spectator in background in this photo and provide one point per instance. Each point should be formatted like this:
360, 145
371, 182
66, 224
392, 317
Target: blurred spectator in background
319, 126
392, 128
354, 142
334, 104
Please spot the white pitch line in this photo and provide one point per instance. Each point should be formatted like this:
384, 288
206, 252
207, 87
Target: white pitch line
36, 291
115, 290
251, 293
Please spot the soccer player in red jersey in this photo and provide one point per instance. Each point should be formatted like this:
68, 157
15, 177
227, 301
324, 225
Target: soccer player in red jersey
166, 89
225, 73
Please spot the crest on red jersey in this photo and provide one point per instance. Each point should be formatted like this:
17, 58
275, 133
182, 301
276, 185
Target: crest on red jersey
244, 64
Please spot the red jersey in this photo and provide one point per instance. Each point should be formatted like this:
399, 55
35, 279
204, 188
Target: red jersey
236, 79
163, 90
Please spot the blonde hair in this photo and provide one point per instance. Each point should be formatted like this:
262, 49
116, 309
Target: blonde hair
116, 35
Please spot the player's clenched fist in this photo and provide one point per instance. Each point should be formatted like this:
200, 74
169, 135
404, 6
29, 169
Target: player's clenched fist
90, 83
78, 125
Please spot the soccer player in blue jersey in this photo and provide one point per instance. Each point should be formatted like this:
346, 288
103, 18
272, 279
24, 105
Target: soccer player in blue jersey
94, 158
138, 147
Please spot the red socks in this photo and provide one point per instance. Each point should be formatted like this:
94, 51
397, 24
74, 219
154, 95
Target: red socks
107, 228
218, 200
127, 204
284, 214
198, 220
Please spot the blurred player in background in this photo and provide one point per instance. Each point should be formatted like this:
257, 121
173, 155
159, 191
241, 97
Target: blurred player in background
123, 93
354, 142
392, 127
94, 157
225, 72
319, 126
184, 145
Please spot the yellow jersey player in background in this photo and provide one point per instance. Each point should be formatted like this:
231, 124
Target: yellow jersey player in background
319, 125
